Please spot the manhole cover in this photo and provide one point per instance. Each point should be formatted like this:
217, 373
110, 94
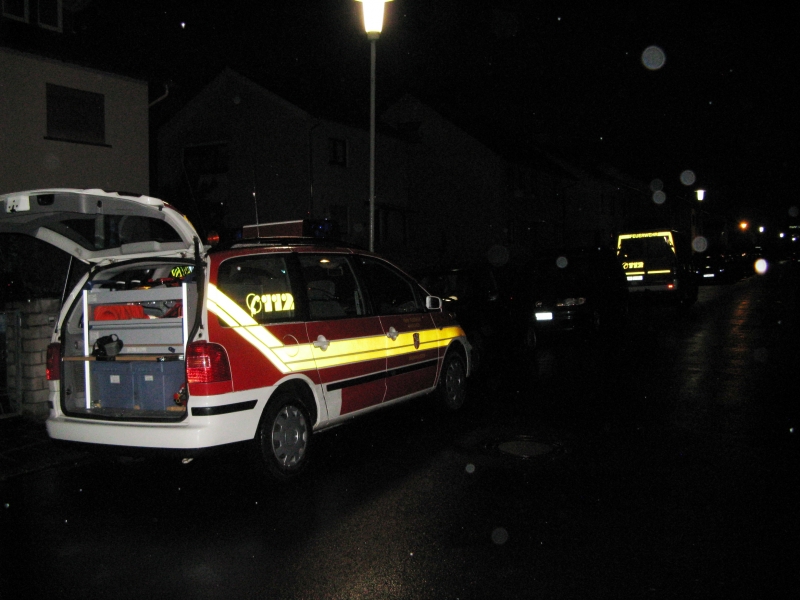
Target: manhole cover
523, 447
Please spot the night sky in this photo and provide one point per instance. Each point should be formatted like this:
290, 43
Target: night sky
717, 95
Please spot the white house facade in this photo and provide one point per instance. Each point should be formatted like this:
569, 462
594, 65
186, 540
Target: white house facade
63, 125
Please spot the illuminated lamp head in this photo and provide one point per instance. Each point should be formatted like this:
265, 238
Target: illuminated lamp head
212, 238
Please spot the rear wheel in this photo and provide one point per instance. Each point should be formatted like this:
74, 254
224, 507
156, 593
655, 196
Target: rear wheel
452, 389
283, 439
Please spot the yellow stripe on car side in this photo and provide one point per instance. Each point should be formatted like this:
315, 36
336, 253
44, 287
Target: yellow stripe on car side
302, 357
352, 350
247, 327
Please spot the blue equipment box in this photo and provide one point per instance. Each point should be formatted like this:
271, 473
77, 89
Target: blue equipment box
156, 383
137, 385
112, 384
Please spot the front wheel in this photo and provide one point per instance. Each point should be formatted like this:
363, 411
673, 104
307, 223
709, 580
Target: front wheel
283, 439
452, 388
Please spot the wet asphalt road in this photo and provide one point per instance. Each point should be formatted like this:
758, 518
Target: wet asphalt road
660, 464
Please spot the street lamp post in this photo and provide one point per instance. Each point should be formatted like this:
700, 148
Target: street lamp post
373, 25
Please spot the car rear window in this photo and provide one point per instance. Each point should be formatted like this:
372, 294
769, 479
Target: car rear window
104, 232
260, 285
332, 288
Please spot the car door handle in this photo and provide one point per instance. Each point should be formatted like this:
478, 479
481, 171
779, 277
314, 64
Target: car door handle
392, 333
321, 342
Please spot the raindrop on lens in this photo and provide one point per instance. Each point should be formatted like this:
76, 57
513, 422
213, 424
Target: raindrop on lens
470, 468
562, 262
653, 58
500, 536
656, 185
700, 244
688, 177
659, 197
794, 211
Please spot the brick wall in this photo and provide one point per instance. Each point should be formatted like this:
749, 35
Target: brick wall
27, 354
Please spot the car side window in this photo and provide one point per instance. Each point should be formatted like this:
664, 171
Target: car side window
389, 291
331, 287
260, 285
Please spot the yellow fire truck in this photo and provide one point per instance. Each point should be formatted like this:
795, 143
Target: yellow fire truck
658, 263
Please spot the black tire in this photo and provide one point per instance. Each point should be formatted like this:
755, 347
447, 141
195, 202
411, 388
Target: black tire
452, 388
284, 436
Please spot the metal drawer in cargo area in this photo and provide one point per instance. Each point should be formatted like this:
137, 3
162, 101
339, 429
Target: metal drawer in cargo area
136, 385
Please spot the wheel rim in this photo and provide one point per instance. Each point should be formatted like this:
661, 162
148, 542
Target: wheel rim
289, 437
454, 383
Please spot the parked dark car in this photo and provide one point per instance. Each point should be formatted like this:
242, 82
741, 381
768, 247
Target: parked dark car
574, 291
481, 304
717, 266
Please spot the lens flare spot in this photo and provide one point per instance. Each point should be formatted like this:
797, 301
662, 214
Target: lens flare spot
656, 185
688, 177
659, 197
498, 255
653, 58
500, 536
761, 266
700, 244
562, 262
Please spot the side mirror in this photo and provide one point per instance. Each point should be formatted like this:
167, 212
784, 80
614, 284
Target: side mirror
433, 303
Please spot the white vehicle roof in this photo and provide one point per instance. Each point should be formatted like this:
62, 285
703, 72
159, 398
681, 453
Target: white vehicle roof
96, 226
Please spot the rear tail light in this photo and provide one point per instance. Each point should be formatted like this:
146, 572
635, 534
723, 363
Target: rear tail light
207, 363
53, 366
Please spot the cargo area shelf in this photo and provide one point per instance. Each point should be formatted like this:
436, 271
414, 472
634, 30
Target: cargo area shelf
149, 366
127, 357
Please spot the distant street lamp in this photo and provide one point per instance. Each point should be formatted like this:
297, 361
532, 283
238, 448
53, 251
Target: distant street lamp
700, 195
373, 25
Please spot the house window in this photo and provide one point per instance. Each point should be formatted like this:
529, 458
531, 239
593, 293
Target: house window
16, 9
206, 159
390, 227
339, 214
50, 14
337, 151
206, 174
46, 13
75, 115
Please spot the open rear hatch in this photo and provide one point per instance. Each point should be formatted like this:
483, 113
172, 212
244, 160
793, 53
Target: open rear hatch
122, 350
